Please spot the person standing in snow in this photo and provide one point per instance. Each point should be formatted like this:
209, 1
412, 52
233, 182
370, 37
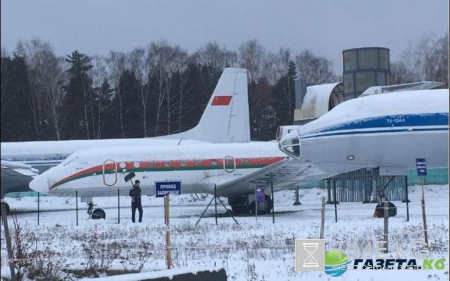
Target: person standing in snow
135, 195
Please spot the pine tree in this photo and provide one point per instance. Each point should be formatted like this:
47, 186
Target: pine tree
284, 91
79, 96
103, 97
16, 120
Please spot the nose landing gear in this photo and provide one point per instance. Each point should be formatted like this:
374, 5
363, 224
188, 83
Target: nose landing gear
95, 214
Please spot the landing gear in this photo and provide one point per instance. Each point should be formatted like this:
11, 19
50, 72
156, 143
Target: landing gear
241, 206
385, 206
98, 214
264, 207
95, 214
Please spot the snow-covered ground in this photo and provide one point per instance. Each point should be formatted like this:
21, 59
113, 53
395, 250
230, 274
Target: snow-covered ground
251, 250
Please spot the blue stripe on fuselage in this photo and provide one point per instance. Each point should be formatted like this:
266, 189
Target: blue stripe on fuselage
373, 132
386, 124
404, 120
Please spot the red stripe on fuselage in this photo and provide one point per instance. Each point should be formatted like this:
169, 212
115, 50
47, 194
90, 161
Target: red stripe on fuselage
81, 173
169, 163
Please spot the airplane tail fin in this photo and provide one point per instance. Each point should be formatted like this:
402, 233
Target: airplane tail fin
226, 118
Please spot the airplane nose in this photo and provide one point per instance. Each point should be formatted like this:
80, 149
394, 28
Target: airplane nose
40, 184
290, 144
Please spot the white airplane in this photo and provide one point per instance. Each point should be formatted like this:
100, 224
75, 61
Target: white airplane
236, 169
385, 130
225, 120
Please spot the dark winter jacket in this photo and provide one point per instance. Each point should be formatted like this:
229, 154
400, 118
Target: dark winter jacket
135, 194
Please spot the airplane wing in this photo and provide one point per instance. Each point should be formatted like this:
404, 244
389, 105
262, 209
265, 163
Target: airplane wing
17, 169
16, 176
284, 174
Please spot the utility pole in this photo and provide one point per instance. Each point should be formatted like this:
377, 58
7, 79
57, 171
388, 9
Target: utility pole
297, 201
386, 225
424, 216
7, 238
167, 219
322, 219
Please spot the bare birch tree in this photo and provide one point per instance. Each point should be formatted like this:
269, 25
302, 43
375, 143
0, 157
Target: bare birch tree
45, 74
116, 62
34, 98
99, 76
214, 55
251, 56
57, 78
139, 65
314, 70
400, 74
164, 60
276, 65
427, 59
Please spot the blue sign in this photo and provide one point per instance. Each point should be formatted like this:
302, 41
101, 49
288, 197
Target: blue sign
164, 187
260, 195
421, 165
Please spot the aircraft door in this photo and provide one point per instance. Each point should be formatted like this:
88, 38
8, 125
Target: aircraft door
229, 164
109, 172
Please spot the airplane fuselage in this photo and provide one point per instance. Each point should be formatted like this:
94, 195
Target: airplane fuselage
385, 130
101, 172
42, 155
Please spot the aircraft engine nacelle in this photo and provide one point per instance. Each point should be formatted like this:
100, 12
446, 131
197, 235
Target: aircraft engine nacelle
284, 130
290, 144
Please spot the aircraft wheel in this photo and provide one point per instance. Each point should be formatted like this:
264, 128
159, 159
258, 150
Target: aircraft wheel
98, 214
239, 205
240, 210
264, 207
8, 210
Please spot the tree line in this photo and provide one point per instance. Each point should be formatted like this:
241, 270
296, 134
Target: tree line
163, 89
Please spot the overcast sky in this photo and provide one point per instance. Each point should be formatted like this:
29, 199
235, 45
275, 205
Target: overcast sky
325, 26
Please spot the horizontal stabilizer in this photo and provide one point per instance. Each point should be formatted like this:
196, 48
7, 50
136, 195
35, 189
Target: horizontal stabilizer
20, 168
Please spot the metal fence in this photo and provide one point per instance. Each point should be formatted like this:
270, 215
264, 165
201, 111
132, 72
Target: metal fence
360, 186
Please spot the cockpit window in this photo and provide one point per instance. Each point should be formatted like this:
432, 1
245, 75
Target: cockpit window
291, 146
69, 160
